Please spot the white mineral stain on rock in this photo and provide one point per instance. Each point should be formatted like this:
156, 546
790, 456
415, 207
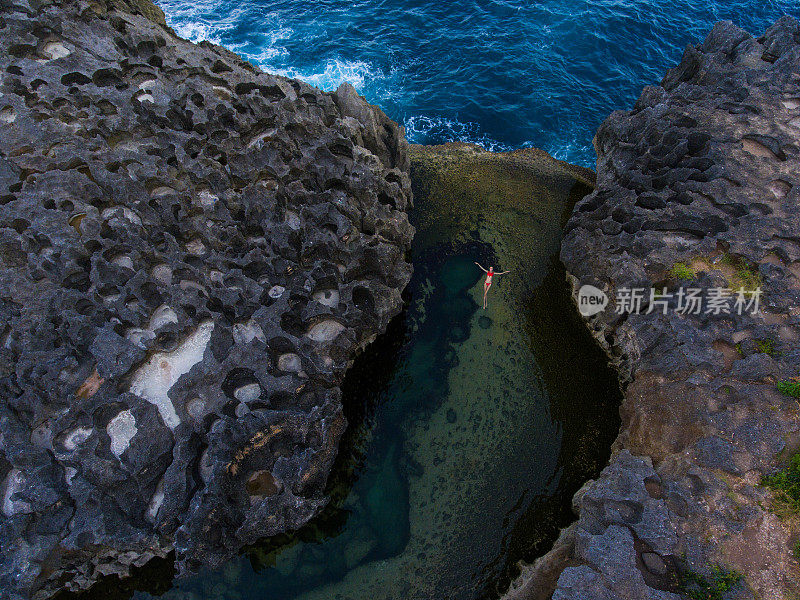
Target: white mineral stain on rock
269, 133
795, 122
55, 50
155, 502
123, 260
222, 92
121, 430
139, 336
153, 380
7, 115
76, 437
196, 408
247, 393
325, 331
268, 184
145, 88
289, 362
121, 211
162, 274
791, 103
276, 291
257, 241
292, 219
779, 188
207, 199
69, 474
162, 190
163, 315
327, 297
196, 247
244, 333
14, 481
127, 146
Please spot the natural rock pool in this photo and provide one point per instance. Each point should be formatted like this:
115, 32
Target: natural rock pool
469, 430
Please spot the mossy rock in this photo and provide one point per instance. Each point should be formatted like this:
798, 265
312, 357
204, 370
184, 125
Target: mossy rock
135, 7
516, 201
682, 271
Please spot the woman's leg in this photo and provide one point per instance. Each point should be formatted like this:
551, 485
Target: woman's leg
486, 287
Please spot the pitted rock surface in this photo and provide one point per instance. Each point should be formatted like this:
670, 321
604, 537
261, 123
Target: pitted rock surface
191, 253
702, 173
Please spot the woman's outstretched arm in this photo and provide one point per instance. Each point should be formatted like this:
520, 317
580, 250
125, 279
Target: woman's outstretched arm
502, 272
482, 269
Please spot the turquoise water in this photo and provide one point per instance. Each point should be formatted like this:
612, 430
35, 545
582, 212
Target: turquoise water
503, 73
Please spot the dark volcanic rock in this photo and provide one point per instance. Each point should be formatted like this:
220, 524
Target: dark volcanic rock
191, 253
701, 174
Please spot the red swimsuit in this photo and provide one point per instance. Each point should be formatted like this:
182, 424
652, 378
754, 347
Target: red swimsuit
488, 279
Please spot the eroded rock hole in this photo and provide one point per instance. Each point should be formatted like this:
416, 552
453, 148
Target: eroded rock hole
262, 484
241, 384
363, 299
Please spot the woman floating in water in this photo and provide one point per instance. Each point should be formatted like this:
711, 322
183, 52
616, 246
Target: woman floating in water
488, 283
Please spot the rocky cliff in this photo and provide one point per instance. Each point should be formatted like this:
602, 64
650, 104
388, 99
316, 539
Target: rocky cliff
697, 187
191, 253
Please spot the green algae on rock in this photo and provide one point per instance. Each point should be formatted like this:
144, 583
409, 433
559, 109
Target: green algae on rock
474, 188
135, 7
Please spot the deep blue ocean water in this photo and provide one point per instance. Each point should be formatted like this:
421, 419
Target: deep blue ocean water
502, 73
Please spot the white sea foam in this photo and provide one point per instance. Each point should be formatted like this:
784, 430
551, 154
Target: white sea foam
269, 46
206, 20
571, 151
197, 31
426, 129
188, 21
334, 72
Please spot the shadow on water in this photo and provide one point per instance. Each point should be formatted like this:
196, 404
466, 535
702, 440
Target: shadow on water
584, 396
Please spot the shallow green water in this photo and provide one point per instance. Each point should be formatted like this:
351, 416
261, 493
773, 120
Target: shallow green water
469, 431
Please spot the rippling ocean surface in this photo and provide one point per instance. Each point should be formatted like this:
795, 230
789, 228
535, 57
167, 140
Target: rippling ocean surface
501, 73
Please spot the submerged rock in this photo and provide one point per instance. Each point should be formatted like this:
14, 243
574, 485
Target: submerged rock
191, 253
696, 186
